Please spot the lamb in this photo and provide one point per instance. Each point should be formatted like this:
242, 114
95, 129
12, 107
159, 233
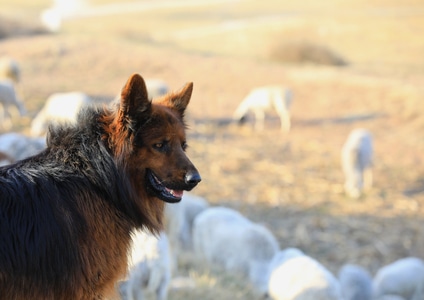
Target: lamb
224, 237
150, 268
179, 218
9, 69
357, 156
8, 98
296, 276
264, 99
356, 282
404, 278
59, 107
19, 146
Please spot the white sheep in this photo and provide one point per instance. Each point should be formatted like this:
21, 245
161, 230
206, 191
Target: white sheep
264, 99
356, 282
19, 146
404, 278
224, 237
8, 99
179, 218
296, 276
357, 157
9, 69
59, 107
150, 268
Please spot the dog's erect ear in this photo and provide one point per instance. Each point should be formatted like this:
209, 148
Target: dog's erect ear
134, 98
179, 100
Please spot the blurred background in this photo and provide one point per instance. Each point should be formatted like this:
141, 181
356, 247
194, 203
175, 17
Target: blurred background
350, 64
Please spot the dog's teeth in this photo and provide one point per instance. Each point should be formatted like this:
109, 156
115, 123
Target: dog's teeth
175, 193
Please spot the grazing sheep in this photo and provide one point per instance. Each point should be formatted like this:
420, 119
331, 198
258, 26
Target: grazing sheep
59, 107
19, 146
357, 155
224, 237
179, 218
150, 268
264, 99
296, 276
8, 98
356, 282
9, 69
404, 278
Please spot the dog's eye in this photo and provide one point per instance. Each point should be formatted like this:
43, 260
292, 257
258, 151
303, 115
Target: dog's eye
158, 145
184, 145
161, 146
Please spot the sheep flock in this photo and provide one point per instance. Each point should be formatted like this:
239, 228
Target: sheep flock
223, 239
218, 237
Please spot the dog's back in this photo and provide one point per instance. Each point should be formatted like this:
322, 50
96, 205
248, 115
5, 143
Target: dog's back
45, 209
30, 234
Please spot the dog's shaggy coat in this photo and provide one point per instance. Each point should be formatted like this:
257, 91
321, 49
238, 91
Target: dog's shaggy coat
66, 214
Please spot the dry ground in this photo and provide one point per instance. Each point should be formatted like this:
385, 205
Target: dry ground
291, 183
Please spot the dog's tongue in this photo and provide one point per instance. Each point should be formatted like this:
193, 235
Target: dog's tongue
175, 193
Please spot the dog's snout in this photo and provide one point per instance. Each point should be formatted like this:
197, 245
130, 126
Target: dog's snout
192, 178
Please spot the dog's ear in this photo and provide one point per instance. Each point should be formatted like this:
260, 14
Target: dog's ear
134, 99
179, 100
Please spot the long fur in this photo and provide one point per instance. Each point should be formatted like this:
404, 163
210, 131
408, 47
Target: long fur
66, 214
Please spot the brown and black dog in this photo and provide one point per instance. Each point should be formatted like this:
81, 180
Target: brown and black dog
66, 214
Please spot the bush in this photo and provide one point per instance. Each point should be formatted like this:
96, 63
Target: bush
305, 52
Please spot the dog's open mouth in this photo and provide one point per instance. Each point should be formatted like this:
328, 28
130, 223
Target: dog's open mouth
161, 191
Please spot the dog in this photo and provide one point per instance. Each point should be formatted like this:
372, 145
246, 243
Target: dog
265, 99
67, 213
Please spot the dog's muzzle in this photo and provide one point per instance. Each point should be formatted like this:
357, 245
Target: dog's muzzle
192, 178
171, 192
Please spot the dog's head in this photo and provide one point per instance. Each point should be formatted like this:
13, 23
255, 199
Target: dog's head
148, 139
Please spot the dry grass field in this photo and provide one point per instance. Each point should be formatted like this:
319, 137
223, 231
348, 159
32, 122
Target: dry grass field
290, 182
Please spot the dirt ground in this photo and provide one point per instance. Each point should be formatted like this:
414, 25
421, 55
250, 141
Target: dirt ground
290, 182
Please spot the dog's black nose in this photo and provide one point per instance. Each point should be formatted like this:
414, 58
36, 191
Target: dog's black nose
192, 178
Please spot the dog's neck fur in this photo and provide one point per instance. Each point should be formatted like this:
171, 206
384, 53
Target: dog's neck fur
67, 144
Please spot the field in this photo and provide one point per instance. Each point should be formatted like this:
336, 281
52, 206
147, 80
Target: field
290, 182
